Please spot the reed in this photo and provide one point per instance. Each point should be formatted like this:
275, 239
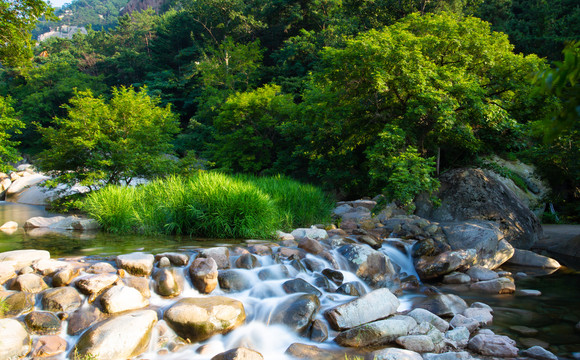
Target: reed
209, 204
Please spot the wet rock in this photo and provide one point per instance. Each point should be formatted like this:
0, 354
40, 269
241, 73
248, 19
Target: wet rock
418, 343
528, 292
50, 266
198, 319
204, 274
353, 288
311, 246
176, 259
65, 277
42, 323
303, 351
482, 316
221, 255
529, 258
313, 265
459, 335
168, 282
537, 352
138, 264
164, 263
493, 345
276, 272
290, 253
282, 236
456, 278
6, 272
122, 298
502, 285
480, 305
22, 258
94, 284
443, 304
260, 250
247, 261
322, 282
48, 346
372, 334
461, 321
296, 312
30, 283
86, 225
239, 354
118, 338
234, 280
333, 275
14, 339
309, 233
83, 318
139, 283
63, 299
461, 355
479, 273
17, 302
101, 268
524, 330
9, 225
377, 304
395, 354
430, 267
318, 331
370, 265
422, 315
300, 286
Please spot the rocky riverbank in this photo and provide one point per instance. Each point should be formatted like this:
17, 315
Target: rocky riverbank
337, 291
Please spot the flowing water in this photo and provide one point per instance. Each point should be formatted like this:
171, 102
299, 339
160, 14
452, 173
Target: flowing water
554, 314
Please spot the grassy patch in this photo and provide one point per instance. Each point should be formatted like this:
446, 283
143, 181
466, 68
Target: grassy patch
209, 204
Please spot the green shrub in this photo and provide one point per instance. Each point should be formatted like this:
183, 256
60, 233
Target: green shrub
209, 204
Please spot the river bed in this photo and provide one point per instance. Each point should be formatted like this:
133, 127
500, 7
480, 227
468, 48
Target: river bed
553, 315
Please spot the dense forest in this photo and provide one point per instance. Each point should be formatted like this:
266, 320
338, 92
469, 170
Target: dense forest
358, 96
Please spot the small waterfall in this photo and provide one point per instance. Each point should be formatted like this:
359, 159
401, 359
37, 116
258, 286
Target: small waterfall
402, 258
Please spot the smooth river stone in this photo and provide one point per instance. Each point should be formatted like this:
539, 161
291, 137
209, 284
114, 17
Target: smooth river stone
24, 258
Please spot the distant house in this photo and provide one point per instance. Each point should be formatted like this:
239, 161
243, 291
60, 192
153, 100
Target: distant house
63, 32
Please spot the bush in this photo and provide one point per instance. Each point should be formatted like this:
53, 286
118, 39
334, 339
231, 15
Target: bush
209, 204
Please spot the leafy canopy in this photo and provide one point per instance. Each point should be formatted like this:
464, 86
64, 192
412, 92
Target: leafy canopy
9, 124
109, 141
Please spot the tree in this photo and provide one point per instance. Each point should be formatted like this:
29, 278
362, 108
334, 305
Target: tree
247, 129
449, 83
112, 142
9, 124
17, 19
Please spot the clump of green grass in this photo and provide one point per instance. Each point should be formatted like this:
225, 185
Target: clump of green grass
209, 204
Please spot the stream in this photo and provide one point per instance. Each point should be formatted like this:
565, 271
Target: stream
553, 315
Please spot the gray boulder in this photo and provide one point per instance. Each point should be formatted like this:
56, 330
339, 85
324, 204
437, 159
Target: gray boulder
377, 304
422, 315
22, 258
483, 236
443, 304
502, 285
395, 354
139, 264
538, 352
372, 334
374, 267
529, 258
204, 274
239, 353
14, 340
118, 338
493, 345
430, 267
122, 298
63, 299
418, 343
472, 194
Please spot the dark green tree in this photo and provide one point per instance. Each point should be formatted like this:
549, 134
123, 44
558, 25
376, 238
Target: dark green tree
9, 125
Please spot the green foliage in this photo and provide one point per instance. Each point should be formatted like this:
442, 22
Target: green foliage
505, 172
17, 19
246, 129
208, 204
9, 125
449, 83
3, 307
564, 82
399, 170
112, 142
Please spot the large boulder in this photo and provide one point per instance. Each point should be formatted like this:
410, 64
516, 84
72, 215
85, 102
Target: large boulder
61, 299
371, 265
375, 305
198, 319
139, 264
122, 298
472, 194
118, 338
483, 236
493, 345
430, 267
373, 334
529, 258
14, 340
